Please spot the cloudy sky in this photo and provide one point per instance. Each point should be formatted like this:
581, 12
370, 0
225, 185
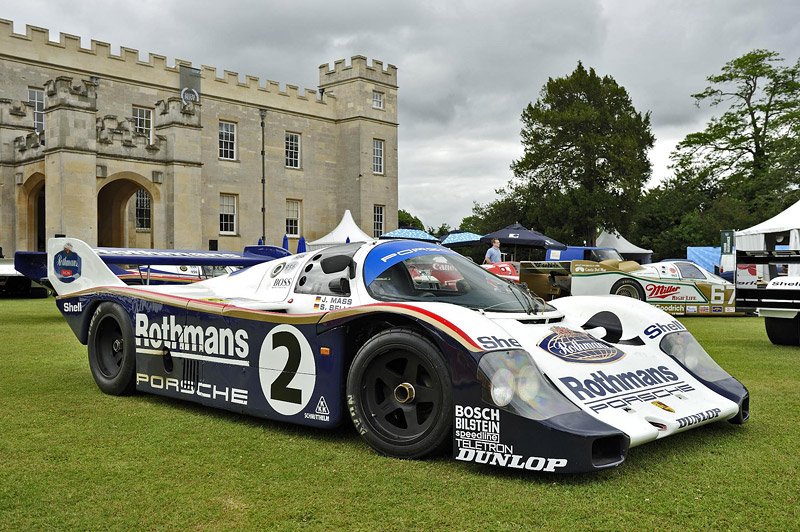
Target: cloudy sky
466, 69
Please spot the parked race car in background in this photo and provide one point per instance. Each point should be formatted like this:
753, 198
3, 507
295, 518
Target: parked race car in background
506, 270
170, 273
15, 284
678, 287
762, 284
420, 347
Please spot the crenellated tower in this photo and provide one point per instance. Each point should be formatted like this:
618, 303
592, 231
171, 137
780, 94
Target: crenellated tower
367, 112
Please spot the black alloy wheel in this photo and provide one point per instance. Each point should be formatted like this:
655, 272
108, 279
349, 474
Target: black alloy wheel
112, 350
399, 394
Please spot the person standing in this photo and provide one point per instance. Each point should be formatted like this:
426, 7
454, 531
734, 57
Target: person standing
493, 253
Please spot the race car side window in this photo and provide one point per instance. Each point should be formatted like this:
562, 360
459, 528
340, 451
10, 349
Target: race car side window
690, 271
314, 280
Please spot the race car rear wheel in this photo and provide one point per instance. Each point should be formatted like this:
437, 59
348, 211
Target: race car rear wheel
628, 288
783, 331
399, 395
112, 350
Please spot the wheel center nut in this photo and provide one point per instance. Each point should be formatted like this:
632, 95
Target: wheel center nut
404, 393
117, 345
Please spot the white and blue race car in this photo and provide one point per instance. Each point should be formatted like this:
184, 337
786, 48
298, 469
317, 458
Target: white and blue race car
421, 348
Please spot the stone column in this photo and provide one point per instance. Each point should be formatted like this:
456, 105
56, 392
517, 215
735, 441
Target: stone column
179, 124
71, 159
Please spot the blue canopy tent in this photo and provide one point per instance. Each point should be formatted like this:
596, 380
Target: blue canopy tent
409, 234
519, 235
460, 238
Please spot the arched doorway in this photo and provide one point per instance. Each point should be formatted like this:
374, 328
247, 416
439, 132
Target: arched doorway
35, 219
117, 212
41, 238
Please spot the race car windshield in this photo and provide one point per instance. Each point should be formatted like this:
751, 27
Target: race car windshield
605, 254
451, 278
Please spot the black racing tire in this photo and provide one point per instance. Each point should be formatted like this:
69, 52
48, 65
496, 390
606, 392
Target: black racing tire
783, 331
628, 288
399, 395
112, 350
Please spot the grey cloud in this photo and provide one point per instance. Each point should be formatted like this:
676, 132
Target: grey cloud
466, 69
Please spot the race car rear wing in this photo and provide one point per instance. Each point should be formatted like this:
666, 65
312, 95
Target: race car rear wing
71, 265
33, 264
755, 270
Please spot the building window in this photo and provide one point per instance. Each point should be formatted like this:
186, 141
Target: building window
227, 140
143, 122
377, 100
377, 156
227, 214
142, 210
377, 220
292, 150
36, 99
292, 218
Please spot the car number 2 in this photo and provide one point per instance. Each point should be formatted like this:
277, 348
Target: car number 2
287, 370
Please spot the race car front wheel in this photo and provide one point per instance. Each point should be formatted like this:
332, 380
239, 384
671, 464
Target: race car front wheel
783, 331
112, 350
628, 288
399, 395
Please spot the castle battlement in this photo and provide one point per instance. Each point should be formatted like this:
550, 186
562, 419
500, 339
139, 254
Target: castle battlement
115, 134
30, 143
16, 114
358, 68
99, 60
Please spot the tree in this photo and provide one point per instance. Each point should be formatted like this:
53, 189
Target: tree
584, 164
406, 219
743, 168
441, 231
752, 149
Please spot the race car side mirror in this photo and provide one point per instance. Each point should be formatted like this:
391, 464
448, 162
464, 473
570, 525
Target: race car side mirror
340, 286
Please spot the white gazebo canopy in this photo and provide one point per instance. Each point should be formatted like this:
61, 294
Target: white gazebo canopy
346, 231
781, 229
625, 248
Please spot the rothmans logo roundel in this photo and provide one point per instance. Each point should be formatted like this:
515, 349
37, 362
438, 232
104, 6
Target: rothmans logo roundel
575, 346
67, 264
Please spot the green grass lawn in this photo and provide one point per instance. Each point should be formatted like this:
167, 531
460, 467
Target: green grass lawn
74, 458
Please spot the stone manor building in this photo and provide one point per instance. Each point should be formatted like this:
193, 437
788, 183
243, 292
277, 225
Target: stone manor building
120, 151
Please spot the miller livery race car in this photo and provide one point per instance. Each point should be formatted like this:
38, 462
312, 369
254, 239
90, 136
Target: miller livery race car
679, 287
421, 348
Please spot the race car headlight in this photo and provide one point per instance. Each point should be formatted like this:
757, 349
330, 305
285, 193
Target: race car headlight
683, 347
512, 382
502, 387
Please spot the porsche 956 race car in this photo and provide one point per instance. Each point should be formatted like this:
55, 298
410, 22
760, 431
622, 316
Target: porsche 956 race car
679, 287
767, 282
421, 348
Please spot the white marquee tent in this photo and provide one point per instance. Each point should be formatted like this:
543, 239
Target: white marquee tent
625, 248
781, 229
346, 231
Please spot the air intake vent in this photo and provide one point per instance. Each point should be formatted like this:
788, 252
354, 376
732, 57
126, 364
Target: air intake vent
538, 321
191, 373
